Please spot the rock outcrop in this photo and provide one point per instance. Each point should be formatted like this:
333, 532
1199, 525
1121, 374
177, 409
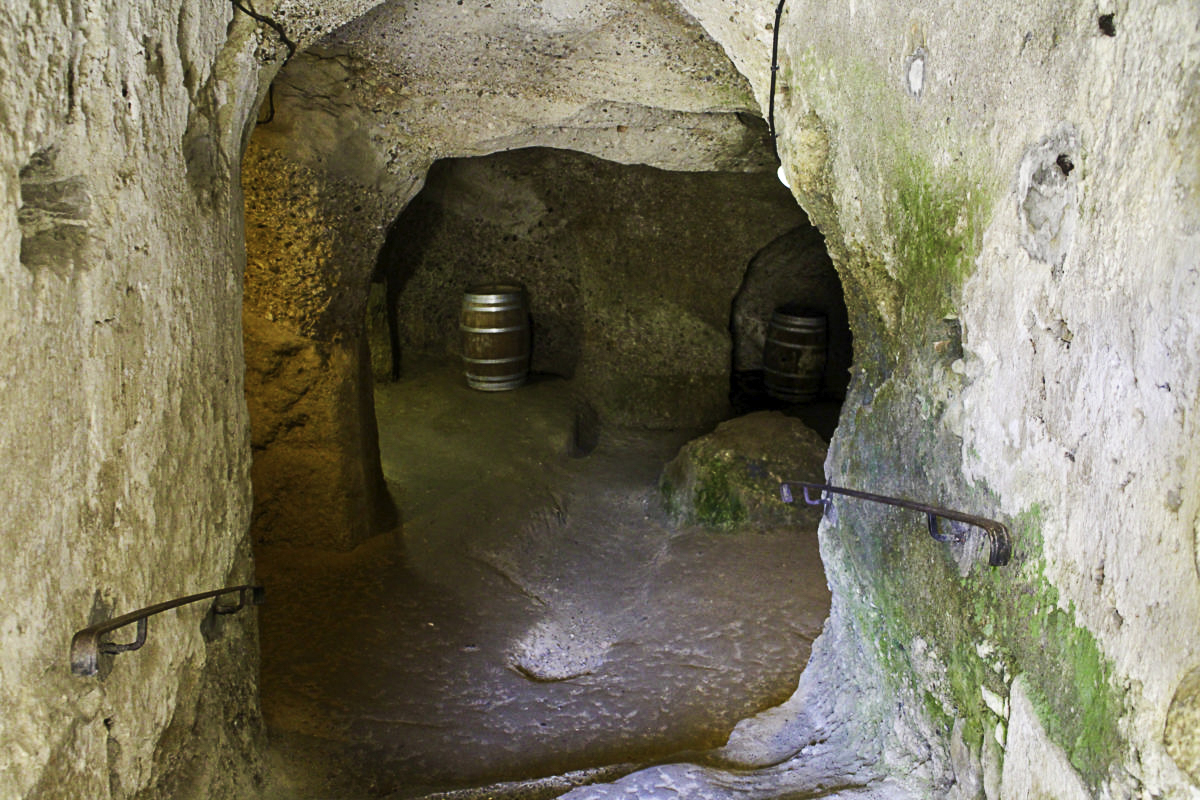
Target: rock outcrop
734, 475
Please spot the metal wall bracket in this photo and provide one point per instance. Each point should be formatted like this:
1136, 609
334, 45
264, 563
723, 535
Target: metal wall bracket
86, 646
997, 532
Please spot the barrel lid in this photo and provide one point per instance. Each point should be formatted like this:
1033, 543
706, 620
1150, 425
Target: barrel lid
497, 288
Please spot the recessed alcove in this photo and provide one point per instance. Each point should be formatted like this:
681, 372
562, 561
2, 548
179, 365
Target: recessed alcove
648, 288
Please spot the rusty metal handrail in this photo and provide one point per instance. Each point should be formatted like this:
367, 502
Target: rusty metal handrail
86, 646
998, 534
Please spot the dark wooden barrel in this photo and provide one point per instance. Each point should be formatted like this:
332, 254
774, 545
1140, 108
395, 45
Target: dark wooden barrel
794, 354
495, 336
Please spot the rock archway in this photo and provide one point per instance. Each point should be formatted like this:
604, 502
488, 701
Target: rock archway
358, 120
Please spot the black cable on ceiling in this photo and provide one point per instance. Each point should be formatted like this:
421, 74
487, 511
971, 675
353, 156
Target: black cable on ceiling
774, 74
248, 10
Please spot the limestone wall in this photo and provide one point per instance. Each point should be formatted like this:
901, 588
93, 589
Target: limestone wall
123, 431
1025, 177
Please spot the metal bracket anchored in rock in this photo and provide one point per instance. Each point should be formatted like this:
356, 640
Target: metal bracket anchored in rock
86, 646
997, 532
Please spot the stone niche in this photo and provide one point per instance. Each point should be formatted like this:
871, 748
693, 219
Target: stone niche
631, 272
795, 269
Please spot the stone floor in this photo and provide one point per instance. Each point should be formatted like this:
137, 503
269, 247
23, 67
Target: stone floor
536, 616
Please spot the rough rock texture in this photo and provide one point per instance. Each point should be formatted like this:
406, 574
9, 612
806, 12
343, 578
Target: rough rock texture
734, 474
1023, 187
345, 497
795, 268
316, 471
1054, 775
123, 435
1183, 720
1012, 208
801, 748
1030, 180
628, 295
359, 119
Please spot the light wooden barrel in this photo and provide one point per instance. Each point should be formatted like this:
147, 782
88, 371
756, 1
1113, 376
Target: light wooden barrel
495, 336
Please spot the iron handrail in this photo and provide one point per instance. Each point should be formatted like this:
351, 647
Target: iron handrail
86, 646
997, 532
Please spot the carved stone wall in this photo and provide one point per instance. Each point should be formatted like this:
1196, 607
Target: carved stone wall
123, 435
1015, 181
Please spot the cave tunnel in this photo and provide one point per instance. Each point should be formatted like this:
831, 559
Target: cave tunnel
552, 602
590, 586
594, 568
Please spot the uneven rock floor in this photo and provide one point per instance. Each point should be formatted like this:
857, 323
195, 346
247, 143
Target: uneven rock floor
535, 616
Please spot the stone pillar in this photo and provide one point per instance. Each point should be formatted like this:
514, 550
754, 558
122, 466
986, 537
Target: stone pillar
317, 476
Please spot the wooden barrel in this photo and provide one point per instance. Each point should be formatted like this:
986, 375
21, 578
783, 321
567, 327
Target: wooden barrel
794, 354
495, 336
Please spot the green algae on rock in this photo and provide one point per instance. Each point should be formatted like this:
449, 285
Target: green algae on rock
731, 477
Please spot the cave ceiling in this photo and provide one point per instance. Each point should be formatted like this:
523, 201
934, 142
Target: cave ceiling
405, 83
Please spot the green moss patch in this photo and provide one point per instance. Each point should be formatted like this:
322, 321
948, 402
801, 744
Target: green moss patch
938, 219
977, 631
717, 502
941, 638
983, 630
732, 476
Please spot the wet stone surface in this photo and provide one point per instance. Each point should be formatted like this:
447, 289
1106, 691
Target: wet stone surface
536, 615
